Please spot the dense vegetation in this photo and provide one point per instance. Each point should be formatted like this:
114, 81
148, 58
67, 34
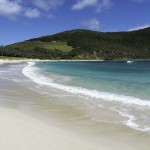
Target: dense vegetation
84, 44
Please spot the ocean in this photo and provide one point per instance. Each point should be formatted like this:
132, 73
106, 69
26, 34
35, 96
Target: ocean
115, 92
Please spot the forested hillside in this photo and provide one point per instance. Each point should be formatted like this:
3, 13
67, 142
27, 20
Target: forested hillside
84, 44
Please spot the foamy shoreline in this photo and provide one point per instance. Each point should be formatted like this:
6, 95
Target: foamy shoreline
18, 130
23, 130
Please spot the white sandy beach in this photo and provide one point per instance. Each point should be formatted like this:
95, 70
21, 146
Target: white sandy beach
19, 131
35, 60
19, 60
22, 130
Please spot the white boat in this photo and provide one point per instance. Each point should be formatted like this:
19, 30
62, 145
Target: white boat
129, 62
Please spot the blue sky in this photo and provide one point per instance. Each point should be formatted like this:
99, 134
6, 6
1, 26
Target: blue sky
25, 19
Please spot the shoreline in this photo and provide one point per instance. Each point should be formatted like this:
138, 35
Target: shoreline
7, 60
39, 60
66, 127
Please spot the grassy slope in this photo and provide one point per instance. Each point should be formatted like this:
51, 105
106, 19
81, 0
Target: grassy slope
28, 45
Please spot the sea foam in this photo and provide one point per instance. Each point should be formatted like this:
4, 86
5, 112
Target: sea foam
32, 72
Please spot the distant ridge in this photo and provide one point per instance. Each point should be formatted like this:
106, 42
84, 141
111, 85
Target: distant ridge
84, 44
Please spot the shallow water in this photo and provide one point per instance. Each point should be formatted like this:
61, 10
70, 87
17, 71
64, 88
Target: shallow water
50, 95
118, 87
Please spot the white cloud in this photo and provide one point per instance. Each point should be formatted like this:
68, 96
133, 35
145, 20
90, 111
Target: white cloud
29, 8
139, 27
92, 24
10, 8
81, 4
97, 4
32, 13
47, 4
105, 4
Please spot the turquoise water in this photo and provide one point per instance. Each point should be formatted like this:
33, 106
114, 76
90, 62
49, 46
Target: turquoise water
115, 77
114, 91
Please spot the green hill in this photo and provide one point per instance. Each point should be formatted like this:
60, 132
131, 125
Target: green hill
29, 45
84, 44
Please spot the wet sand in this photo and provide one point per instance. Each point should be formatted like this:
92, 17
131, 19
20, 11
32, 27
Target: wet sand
31, 120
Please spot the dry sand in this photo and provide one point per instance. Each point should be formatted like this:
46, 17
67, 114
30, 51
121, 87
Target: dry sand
19, 131
20, 60
36, 60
